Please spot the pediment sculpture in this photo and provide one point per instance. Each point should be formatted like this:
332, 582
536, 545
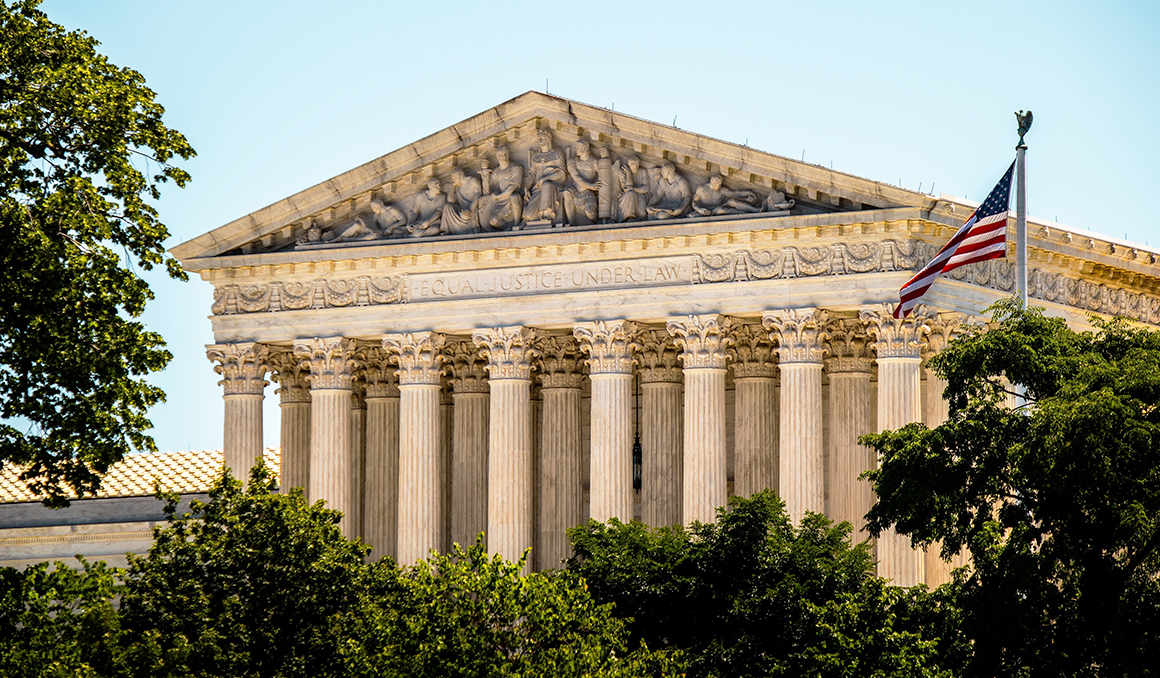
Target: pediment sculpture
555, 187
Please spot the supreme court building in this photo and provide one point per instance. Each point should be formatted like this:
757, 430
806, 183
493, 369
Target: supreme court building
467, 333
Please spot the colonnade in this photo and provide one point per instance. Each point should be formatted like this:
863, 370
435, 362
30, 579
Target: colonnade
426, 439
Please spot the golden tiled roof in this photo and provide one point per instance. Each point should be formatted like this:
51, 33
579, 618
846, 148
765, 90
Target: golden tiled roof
181, 472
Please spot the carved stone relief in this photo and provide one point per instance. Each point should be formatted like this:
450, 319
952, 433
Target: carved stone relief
556, 185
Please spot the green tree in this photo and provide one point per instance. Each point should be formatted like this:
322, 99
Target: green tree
750, 595
1058, 500
58, 622
250, 583
83, 152
471, 615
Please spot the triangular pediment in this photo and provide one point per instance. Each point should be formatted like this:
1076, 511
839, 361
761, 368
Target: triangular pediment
615, 176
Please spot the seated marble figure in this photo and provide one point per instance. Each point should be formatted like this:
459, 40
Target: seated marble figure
426, 215
713, 199
580, 200
459, 214
671, 195
634, 190
547, 173
500, 207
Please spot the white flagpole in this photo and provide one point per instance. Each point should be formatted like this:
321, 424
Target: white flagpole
1021, 207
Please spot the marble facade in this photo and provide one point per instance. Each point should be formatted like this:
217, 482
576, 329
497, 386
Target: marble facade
467, 332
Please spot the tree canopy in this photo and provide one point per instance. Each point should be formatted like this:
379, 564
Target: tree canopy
1058, 500
751, 595
83, 154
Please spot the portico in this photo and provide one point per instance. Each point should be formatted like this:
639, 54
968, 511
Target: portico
751, 347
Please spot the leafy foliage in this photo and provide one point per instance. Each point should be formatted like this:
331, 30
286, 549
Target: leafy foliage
83, 152
1058, 501
752, 596
250, 583
468, 614
58, 622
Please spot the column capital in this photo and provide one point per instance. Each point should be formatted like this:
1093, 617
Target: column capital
896, 337
418, 356
287, 371
658, 362
752, 353
945, 327
466, 367
849, 347
608, 344
329, 359
799, 332
702, 339
508, 351
358, 396
376, 372
560, 365
242, 366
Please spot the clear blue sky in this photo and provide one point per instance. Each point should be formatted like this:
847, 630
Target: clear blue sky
278, 96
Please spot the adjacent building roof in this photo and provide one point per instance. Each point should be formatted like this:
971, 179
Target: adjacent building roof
182, 472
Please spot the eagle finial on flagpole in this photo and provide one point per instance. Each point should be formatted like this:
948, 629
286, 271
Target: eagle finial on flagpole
1024, 124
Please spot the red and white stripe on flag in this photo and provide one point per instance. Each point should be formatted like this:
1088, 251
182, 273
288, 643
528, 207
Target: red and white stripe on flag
983, 237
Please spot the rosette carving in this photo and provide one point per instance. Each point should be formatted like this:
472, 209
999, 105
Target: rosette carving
508, 351
897, 337
330, 361
608, 344
242, 366
376, 372
849, 346
703, 340
418, 355
468, 369
560, 365
287, 371
800, 334
752, 353
658, 361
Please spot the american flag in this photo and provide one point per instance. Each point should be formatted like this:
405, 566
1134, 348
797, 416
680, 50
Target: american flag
983, 237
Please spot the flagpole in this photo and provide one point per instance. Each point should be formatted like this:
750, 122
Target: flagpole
1021, 207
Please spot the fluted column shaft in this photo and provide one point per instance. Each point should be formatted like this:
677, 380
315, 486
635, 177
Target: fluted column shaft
755, 413
898, 347
850, 417
510, 480
294, 394
702, 342
561, 468
419, 359
801, 338
755, 435
358, 423
243, 367
446, 437
331, 363
610, 360
381, 501
662, 433
662, 430
469, 467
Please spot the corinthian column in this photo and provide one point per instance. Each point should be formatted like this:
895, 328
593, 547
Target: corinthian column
294, 392
381, 469
703, 343
850, 416
419, 358
243, 370
609, 363
934, 413
331, 363
358, 423
898, 345
800, 347
561, 462
755, 412
662, 432
510, 482
469, 442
